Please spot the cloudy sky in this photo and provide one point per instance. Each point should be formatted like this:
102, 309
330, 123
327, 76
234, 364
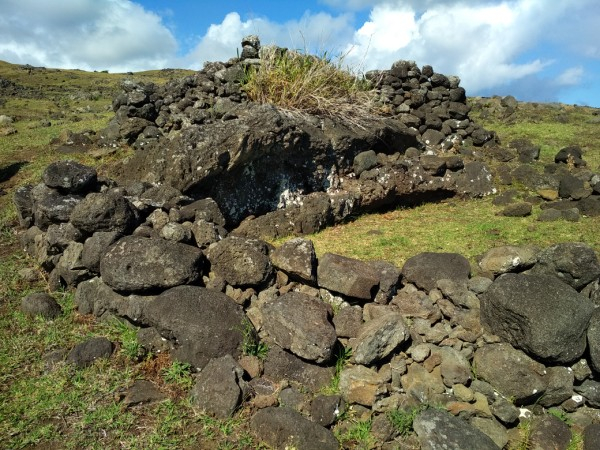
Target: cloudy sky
536, 50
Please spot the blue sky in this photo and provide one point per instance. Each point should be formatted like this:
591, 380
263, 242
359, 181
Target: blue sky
536, 50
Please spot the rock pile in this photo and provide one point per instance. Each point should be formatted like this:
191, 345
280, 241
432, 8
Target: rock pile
203, 136
339, 337
312, 344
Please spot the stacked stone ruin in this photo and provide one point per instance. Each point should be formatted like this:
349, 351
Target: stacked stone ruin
477, 349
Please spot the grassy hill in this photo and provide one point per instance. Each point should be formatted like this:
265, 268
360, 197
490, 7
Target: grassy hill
47, 409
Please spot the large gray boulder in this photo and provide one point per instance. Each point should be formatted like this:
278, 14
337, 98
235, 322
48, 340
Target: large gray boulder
104, 212
348, 276
425, 269
300, 323
202, 323
511, 372
139, 264
439, 430
538, 314
575, 263
286, 428
261, 157
240, 261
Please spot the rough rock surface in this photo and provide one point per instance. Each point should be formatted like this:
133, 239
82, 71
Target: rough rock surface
425, 269
219, 388
138, 264
240, 261
202, 323
286, 428
300, 323
347, 276
438, 430
511, 309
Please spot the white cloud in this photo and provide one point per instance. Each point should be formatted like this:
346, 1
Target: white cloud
480, 42
570, 77
314, 32
94, 35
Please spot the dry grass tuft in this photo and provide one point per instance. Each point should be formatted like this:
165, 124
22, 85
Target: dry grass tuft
305, 84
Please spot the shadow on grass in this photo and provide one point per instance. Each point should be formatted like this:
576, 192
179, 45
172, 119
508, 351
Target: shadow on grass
9, 171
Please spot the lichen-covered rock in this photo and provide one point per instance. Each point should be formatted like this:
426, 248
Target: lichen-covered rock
379, 337
297, 258
138, 264
70, 177
104, 212
240, 261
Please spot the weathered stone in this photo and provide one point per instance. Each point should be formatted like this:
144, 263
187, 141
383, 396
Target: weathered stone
84, 354
219, 388
325, 409
69, 177
425, 269
95, 246
348, 322
138, 264
490, 427
297, 258
104, 212
379, 337
176, 232
560, 386
347, 276
476, 180
591, 437
240, 261
364, 161
41, 304
511, 307
508, 258
511, 372
438, 430
593, 339
280, 365
547, 432
575, 263
60, 236
300, 323
143, 392
286, 428
49, 206
362, 385
521, 209
591, 391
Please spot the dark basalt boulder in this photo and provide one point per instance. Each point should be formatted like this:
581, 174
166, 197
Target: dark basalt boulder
139, 264
202, 323
70, 177
104, 212
539, 314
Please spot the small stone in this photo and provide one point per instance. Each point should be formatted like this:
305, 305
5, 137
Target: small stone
41, 304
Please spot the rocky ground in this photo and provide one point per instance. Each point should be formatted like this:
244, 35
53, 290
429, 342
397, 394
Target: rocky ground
328, 351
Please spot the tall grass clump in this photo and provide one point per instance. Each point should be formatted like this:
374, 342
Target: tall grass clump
306, 84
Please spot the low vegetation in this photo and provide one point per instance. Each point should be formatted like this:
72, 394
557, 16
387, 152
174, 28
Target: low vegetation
303, 83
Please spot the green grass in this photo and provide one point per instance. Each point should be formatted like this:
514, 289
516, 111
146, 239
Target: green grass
402, 420
466, 227
342, 358
357, 435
